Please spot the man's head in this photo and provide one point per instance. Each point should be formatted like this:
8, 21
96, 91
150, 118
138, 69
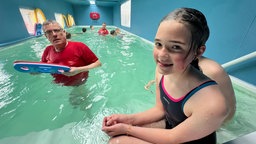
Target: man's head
104, 25
84, 29
113, 32
55, 34
68, 35
91, 27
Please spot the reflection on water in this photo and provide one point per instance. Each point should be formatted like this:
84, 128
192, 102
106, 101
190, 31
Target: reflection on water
5, 88
35, 111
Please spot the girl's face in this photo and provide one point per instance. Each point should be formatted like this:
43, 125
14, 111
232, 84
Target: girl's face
172, 45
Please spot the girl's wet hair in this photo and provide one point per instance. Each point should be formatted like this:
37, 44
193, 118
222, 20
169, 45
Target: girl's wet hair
196, 23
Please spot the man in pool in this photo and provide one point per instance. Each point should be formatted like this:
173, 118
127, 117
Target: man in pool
103, 30
117, 33
76, 55
91, 27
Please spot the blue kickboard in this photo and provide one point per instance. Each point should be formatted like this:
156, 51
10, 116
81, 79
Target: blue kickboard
39, 67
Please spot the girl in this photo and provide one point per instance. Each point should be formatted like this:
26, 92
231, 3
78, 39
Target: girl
191, 104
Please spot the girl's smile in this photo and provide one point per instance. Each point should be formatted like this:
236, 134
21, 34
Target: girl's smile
172, 45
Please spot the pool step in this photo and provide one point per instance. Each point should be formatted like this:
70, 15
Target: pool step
246, 139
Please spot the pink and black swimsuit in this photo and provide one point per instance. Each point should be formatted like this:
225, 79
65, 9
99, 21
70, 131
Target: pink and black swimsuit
174, 110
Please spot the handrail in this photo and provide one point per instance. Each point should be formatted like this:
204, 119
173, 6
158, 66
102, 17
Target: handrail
239, 60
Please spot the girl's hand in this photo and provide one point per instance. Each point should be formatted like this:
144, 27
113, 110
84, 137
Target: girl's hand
116, 124
117, 118
116, 129
108, 121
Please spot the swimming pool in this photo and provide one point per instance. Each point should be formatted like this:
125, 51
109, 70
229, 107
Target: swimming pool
35, 111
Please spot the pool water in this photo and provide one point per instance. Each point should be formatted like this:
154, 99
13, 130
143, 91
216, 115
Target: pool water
33, 110
245, 117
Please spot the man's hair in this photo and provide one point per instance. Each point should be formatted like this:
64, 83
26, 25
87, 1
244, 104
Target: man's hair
48, 22
83, 29
112, 32
68, 35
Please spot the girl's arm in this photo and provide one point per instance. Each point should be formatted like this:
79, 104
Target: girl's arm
206, 111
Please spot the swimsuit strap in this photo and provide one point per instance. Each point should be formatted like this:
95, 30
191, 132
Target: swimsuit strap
193, 91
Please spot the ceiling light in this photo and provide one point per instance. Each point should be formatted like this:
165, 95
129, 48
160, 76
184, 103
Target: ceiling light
92, 2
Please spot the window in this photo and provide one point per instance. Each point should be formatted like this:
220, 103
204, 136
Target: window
60, 19
29, 19
126, 14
